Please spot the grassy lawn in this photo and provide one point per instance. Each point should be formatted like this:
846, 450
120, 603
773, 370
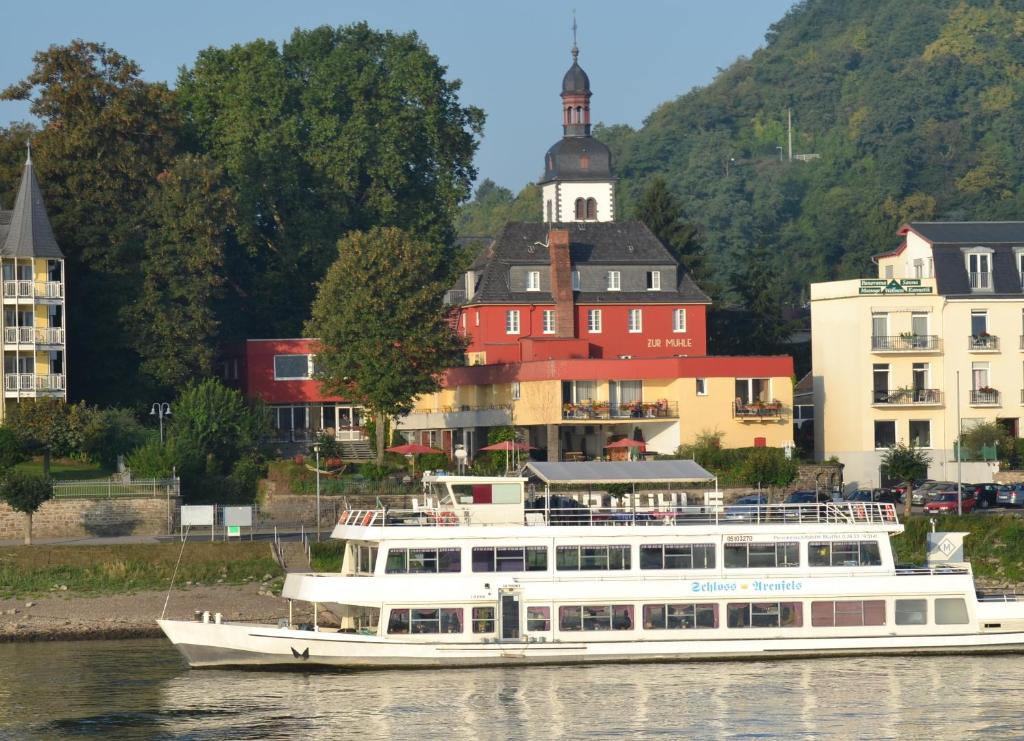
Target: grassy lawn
87, 569
995, 546
66, 469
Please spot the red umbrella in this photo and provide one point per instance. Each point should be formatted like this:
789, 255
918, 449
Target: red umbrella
626, 443
507, 445
413, 449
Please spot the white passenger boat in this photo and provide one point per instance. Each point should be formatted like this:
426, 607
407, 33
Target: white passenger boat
475, 577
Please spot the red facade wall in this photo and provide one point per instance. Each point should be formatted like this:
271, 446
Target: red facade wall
259, 373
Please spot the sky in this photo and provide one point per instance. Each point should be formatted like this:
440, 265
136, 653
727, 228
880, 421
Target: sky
510, 57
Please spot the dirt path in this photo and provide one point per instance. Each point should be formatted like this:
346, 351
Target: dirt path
75, 617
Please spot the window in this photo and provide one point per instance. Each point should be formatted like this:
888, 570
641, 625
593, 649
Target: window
592, 209
426, 620
595, 617
880, 382
919, 378
512, 321
761, 555
679, 320
911, 611
678, 556
549, 321
584, 162
533, 280
950, 611
538, 618
291, 367
653, 280
594, 321
888, 272
512, 558
764, 615
549, 211
920, 433
423, 561
576, 280
702, 386
753, 390
848, 613
847, 553
680, 617
979, 268
483, 619
577, 392
476, 318
581, 209
592, 558
635, 320
979, 376
885, 433
515, 390
979, 323
919, 268
613, 280
366, 557
919, 325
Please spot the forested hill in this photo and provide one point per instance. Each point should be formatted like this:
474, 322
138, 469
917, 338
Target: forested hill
915, 108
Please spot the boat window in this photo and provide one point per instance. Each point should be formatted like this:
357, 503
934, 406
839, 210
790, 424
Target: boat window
678, 556
538, 618
950, 611
488, 493
595, 617
847, 613
845, 553
512, 558
399, 621
483, 619
764, 615
592, 558
366, 557
761, 555
680, 616
426, 620
911, 611
424, 561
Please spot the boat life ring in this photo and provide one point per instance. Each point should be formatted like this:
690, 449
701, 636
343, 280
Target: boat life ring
343, 518
367, 519
890, 512
860, 512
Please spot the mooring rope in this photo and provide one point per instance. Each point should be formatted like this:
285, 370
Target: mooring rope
174, 573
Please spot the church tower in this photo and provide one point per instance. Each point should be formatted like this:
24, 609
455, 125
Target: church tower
577, 183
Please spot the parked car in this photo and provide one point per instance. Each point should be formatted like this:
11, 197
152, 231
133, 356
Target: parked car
923, 492
904, 486
1011, 495
750, 507
986, 494
808, 497
945, 503
886, 496
562, 510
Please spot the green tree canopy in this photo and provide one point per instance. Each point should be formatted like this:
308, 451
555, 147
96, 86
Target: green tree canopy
385, 337
25, 493
768, 467
48, 426
662, 212
906, 463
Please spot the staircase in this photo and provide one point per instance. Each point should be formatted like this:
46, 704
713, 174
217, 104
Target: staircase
356, 450
291, 556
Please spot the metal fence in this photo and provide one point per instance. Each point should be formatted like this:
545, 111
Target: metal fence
115, 489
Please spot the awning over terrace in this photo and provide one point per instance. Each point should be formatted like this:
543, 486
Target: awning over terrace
619, 472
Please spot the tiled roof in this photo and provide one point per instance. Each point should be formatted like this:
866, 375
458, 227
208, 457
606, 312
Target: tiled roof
613, 243
970, 232
29, 233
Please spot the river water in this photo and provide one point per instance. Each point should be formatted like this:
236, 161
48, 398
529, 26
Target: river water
142, 689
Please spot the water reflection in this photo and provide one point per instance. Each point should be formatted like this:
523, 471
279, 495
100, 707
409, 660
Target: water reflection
141, 689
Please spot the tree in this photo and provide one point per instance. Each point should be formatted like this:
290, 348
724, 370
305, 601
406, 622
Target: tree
105, 136
335, 130
218, 424
768, 467
662, 212
173, 323
110, 433
987, 435
25, 493
385, 337
12, 451
906, 463
47, 426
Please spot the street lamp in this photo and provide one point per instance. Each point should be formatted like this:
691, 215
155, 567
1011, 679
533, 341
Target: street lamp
161, 410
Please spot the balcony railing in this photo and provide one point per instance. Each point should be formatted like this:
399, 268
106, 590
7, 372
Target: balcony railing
984, 397
661, 409
981, 281
33, 336
904, 342
898, 397
33, 289
983, 343
757, 410
34, 382
454, 298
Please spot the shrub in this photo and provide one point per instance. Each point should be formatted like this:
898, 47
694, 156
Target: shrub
768, 467
25, 493
109, 433
373, 472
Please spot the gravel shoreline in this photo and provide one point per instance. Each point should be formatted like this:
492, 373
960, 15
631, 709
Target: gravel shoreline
66, 617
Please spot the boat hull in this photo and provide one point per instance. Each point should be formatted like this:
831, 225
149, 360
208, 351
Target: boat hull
206, 645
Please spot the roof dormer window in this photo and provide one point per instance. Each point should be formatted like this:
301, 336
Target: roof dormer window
533, 280
1018, 254
614, 280
653, 280
979, 268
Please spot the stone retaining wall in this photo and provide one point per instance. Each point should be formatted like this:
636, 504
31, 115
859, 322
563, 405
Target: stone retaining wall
1008, 477
69, 518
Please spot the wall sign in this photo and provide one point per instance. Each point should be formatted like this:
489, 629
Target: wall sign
881, 285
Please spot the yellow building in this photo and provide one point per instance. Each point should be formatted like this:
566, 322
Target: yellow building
32, 268
936, 337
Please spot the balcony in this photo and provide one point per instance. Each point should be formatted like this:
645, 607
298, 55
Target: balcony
984, 397
982, 343
637, 410
981, 281
905, 343
454, 298
906, 397
456, 417
32, 383
758, 411
30, 289
33, 336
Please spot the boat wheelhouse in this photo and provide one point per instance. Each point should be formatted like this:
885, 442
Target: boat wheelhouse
485, 571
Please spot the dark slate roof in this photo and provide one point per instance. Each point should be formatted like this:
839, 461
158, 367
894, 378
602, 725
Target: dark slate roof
29, 233
562, 161
595, 243
970, 232
5, 225
949, 238
575, 80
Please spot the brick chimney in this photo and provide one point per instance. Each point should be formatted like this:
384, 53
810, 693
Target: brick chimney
561, 283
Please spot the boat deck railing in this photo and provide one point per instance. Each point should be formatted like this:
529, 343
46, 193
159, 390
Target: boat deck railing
1000, 597
838, 513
